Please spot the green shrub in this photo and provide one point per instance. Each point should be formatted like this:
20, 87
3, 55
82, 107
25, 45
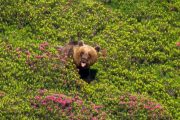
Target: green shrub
140, 53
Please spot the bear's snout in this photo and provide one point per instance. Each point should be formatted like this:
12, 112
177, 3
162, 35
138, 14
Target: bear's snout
84, 62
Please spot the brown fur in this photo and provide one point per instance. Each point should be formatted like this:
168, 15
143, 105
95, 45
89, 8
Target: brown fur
82, 54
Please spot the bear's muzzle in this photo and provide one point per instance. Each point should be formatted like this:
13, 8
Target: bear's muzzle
84, 63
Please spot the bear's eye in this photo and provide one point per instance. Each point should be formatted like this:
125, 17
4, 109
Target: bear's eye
90, 55
81, 53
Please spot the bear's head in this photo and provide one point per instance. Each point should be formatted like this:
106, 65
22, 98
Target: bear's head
84, 55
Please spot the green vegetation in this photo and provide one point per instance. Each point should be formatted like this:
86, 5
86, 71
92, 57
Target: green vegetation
139, 78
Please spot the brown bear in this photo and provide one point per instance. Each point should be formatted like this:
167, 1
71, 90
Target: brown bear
83, 55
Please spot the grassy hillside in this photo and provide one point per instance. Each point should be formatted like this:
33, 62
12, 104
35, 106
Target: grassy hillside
137, 74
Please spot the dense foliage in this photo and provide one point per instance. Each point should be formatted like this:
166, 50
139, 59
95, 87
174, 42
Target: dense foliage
138, 71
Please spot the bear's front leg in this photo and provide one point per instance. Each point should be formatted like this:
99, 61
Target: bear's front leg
85, 74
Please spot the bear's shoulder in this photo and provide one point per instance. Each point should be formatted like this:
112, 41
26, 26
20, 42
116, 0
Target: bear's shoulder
71, 47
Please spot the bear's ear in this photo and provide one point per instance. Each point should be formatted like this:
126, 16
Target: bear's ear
97, 48
72, 42
80, 43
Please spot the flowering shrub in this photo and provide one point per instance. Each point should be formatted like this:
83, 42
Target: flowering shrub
141, 55
2, 94
50, 62
178, 44
138, 106
55, 106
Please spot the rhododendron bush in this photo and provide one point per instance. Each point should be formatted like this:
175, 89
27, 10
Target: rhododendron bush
64, 107
137, 75
137, 106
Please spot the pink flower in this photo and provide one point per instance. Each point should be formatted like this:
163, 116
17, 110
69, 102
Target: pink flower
28, 54
150, 103
68, 101
59, 48
97, 106
63, 103
133, 98
59, 95
132, 103
44, 102
71, 115
146, 107
37, 97
94, 118
2, 94
69, 109
49, 108
56, 107
63, 60
39, 56
79, 102
48, 54
158, 106
58, 100
122, 97
122, 103
76, 97
43, 45
178, 44
152, 109
41, 48
34, 106
18, 49
19, 55
42, 91
53, 98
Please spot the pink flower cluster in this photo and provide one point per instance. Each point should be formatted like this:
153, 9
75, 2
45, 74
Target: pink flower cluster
151, 106
18, 51
38, 58
130, 101
28, 54
43, 45
134, 104
178, 44
2, 94
64, 106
